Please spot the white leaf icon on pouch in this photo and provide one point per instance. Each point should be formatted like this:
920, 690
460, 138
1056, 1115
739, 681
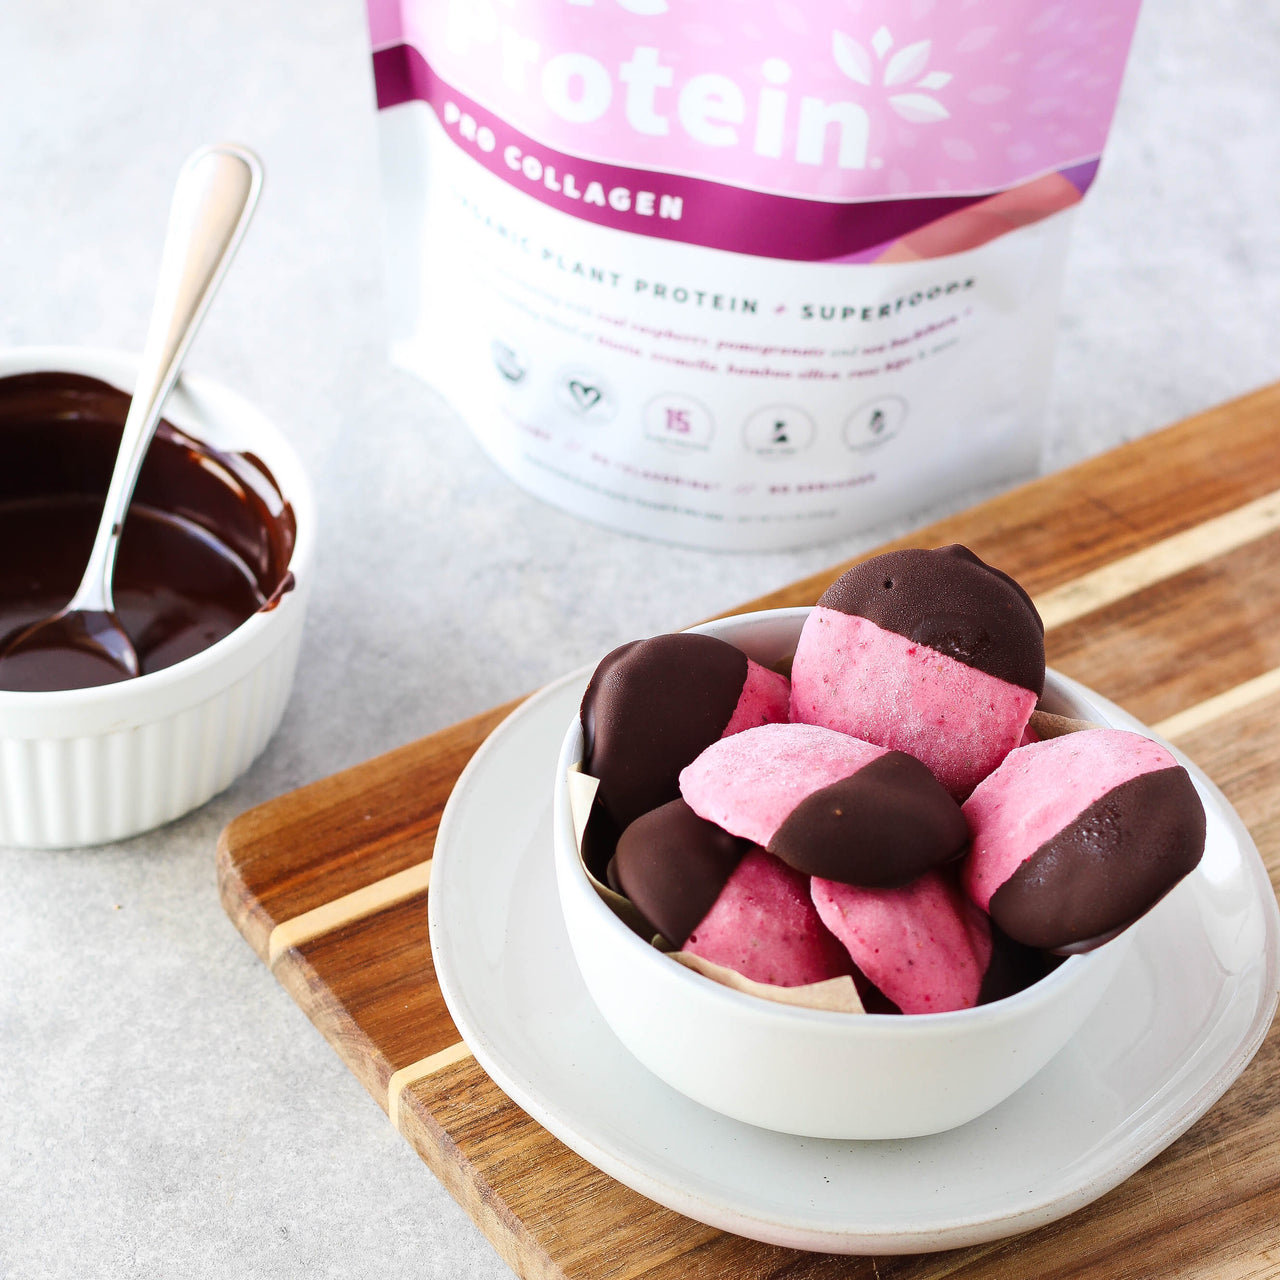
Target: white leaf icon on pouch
851, 57
907, 63
918, 108
906, 68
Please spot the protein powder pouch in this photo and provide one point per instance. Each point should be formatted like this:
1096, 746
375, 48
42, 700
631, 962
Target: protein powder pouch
738, 274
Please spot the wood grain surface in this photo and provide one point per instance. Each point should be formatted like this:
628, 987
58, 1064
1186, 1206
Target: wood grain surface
1156, 568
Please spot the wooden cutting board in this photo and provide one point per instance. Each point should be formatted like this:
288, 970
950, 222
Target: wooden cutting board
1157, 570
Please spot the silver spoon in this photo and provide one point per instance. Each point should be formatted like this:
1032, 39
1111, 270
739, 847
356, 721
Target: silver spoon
213, 201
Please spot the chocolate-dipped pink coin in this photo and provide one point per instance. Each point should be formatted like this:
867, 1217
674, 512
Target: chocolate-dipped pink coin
673, 864
934, 653
763, 925
1076, 837
827, 804
653, 705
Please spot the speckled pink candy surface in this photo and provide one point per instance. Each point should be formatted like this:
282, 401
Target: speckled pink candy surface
764, 925
1041, 788
923, 945
750, 782
765, 699
855, 677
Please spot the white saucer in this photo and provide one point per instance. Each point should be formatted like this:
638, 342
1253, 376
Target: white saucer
1179, 1024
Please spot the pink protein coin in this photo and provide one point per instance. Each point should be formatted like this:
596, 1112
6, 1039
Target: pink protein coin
827, 804
924, 945
1076, 837
929, 652
764, 926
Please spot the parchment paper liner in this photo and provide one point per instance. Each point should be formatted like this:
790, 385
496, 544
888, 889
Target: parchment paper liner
1045, 725
582, 793
835, 993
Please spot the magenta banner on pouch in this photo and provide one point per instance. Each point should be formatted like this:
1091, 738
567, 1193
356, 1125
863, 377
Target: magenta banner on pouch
740, 275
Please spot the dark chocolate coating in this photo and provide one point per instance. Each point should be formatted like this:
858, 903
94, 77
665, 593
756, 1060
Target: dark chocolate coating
672, 864
887, 824
873, 999
950, 601
600, 842
1012, 967
652, 707
1107, 867
206, 542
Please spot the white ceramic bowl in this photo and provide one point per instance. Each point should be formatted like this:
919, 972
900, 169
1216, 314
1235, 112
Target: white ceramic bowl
84, 766
807, 1071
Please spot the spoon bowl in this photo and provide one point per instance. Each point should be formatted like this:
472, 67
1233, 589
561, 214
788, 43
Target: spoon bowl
74, 649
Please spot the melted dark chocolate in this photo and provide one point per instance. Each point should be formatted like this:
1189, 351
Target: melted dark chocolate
652, 707
206, 543
1107, 867
950, 601
672, 864
887, 824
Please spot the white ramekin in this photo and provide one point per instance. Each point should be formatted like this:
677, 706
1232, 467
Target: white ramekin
808, 1071
84, 766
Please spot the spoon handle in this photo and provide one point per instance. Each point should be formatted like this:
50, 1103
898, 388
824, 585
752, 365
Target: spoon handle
213, 201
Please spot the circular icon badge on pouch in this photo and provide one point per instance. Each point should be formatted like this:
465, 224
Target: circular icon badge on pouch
779, 430
508, 362
585, 395
678, 420
873, 423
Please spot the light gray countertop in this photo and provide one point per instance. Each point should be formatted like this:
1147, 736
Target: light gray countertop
165, 1109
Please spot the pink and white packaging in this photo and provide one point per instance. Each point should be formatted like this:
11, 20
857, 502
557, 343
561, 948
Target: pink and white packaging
745, 275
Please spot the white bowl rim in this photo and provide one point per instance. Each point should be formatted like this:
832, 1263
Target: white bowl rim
1043, 990
299, 495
